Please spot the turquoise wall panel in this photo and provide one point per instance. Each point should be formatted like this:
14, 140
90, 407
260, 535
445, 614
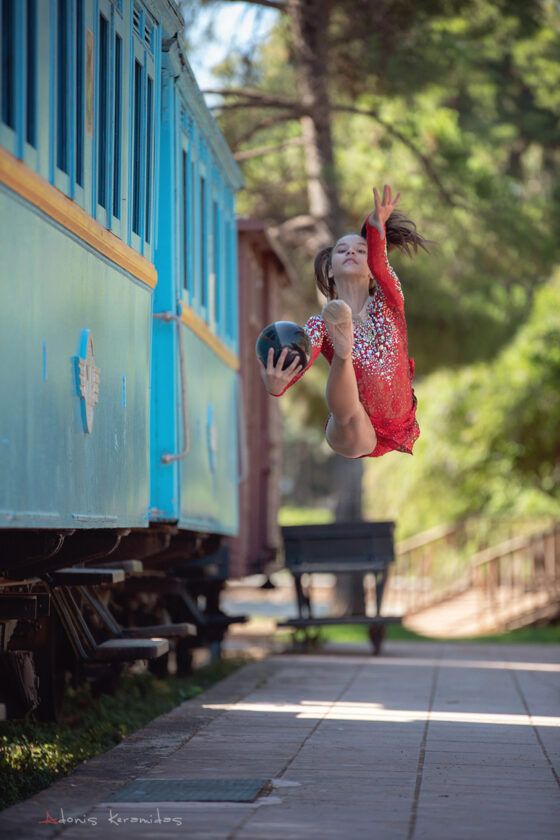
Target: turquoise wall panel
200, 491
52, 471
209, 485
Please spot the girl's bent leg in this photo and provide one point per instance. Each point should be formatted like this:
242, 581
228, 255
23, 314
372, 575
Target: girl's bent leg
349, 430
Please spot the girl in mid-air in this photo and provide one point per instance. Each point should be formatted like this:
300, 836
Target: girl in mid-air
362, 333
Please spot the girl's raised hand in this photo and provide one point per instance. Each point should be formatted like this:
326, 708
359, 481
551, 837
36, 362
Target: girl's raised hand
275, 379
383, 209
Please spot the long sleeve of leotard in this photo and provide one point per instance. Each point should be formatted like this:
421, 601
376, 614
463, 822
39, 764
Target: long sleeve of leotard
381, 269
316, 330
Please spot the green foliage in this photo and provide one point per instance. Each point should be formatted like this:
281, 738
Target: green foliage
460, 103
489, 439
33, 755
289, 515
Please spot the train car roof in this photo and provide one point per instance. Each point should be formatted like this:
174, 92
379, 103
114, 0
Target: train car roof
176, 50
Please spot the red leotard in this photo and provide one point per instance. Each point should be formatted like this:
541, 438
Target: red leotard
383, 370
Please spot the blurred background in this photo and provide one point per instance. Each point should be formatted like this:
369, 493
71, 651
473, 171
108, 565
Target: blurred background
455, 104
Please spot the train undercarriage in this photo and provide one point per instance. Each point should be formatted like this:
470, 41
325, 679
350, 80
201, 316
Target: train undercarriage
77, 605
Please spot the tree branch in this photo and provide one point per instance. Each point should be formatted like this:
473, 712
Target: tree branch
256, 99
264, 150
254, 96
424, 160
270, 4
262, 125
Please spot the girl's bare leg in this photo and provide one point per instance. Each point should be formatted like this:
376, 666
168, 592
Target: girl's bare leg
349, 430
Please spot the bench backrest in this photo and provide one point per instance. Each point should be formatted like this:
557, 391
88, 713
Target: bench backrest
339, 542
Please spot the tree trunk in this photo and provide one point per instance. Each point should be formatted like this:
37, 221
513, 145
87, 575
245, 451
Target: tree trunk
347, 477
309, 22
309, 27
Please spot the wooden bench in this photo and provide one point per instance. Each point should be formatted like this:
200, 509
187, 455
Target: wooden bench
340, 548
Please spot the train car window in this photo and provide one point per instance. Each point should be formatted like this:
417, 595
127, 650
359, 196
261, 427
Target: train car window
143, 108
136, 161
103, 107
117, 129
111, 103
31, 74
230, 273
62, 82
80, 78
185, 213
203, 245
18, 74
8, 63
191, 239
149, 134
216, 249
68, 63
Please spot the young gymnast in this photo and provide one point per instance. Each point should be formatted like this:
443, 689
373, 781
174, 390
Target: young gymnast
362, 333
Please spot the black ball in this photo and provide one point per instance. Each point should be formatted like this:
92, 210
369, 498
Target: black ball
282, 334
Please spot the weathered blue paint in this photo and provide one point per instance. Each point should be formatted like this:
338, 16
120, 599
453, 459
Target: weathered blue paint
209, 489
51, 471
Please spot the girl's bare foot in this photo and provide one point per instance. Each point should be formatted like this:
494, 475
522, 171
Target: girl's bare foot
337, 316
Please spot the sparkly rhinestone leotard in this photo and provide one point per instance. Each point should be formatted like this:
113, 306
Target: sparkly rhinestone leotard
383, 369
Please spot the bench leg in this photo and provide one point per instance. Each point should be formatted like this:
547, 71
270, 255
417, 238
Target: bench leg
303, 599
380, 581
376, 635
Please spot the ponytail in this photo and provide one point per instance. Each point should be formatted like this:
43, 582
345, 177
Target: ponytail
401, 233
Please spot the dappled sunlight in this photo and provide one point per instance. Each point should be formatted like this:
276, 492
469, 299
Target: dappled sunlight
377, 713
499, 664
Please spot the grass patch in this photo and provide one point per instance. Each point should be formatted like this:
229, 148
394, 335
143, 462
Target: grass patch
304, 516
396, 632
33, 754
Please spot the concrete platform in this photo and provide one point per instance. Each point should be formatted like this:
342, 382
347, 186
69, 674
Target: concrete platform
427, 742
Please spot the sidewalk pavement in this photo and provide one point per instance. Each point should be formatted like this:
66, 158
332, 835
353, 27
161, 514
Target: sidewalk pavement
430, 741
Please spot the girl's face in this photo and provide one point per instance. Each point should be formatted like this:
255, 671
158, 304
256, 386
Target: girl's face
349, 257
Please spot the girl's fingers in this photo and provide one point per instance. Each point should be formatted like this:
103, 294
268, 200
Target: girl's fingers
270, 361
294, 364
386, 194
281, 359
396, 198
376, 197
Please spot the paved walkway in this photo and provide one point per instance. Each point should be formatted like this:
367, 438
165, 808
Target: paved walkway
427, 742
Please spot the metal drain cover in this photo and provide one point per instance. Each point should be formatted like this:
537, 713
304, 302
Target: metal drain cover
190, 790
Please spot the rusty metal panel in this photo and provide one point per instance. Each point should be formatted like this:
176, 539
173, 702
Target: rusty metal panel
261, 270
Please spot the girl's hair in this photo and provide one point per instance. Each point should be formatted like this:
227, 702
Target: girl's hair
401, 233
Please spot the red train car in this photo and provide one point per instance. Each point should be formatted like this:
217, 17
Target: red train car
263, 270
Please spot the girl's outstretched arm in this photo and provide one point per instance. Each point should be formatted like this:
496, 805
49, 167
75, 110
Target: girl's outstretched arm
377, 247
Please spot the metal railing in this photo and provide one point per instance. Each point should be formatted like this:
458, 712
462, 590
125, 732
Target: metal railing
512, 565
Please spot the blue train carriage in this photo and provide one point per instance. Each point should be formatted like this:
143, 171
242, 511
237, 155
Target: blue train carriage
195, 397
195, 361
79, 146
